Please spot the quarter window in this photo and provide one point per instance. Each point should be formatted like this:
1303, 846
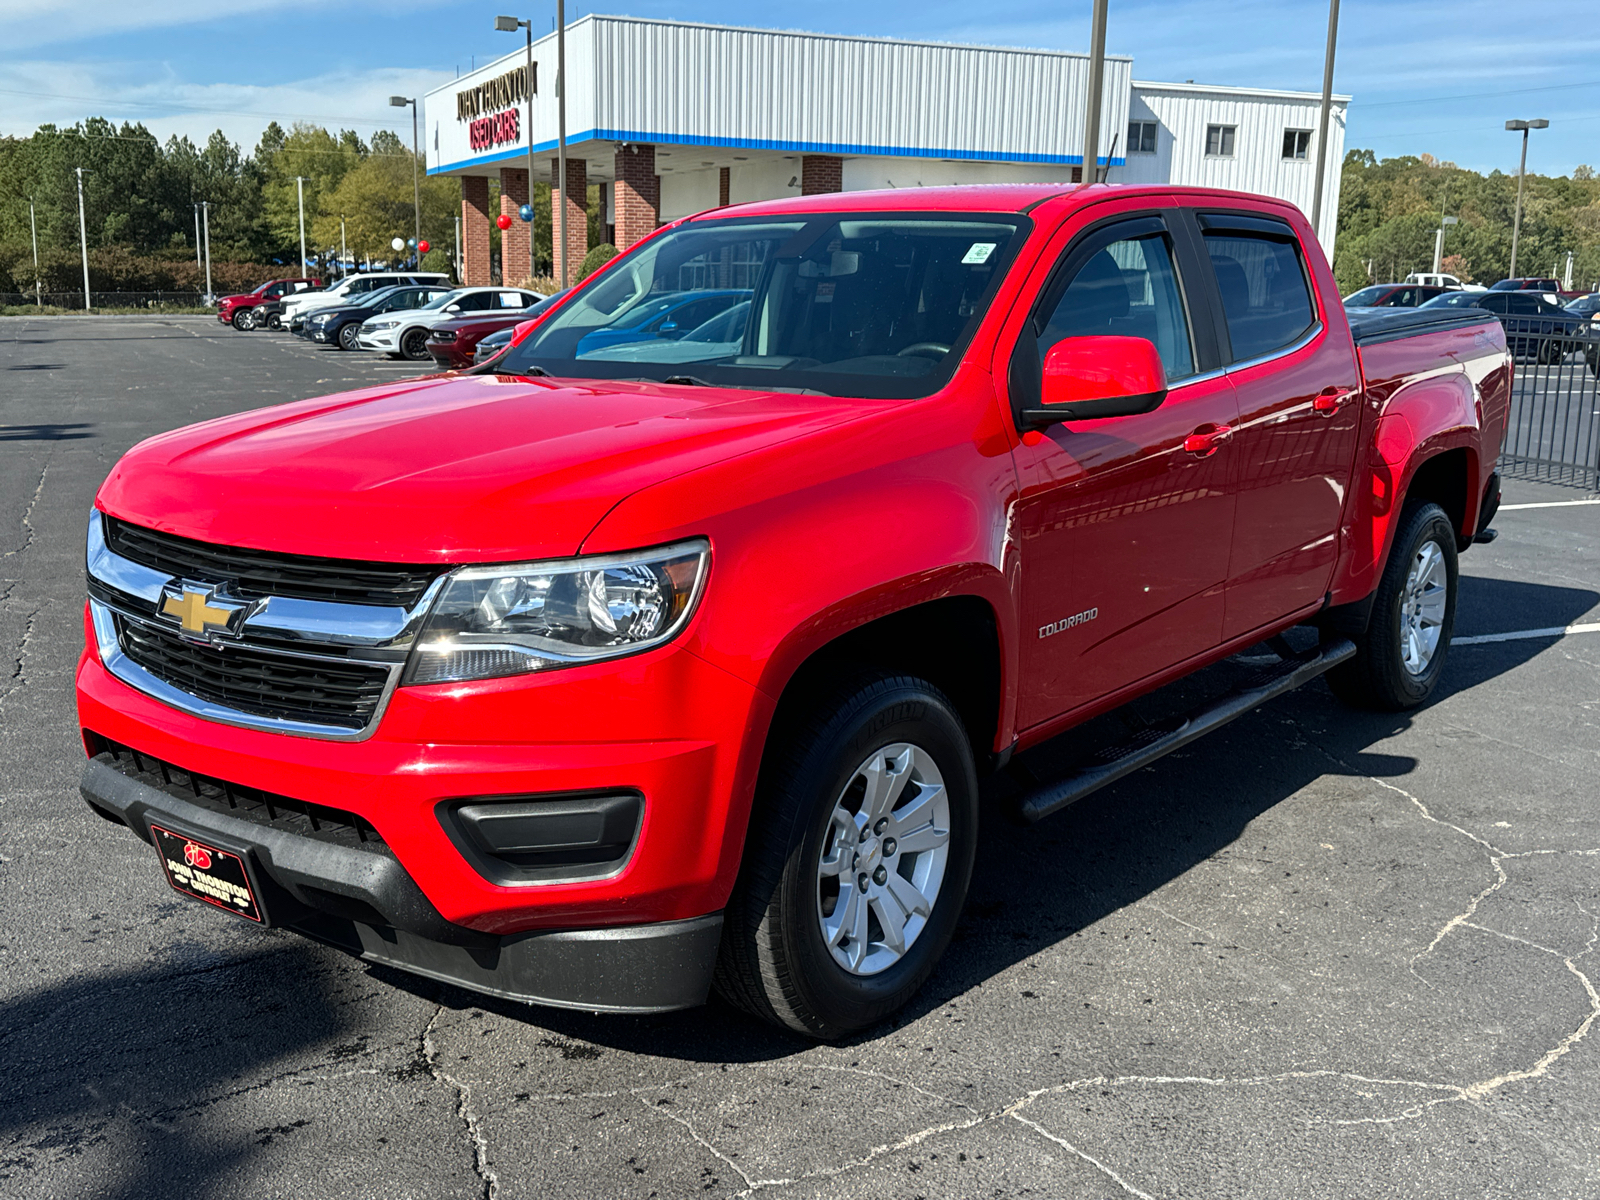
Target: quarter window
1129, 288
1141, 137
1264, 293
1219, 140
1296, 143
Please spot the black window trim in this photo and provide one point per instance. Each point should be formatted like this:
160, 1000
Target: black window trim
1023, 376
1252, 224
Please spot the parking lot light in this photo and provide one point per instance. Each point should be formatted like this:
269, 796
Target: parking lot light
511, 25
1522, 169
416, 155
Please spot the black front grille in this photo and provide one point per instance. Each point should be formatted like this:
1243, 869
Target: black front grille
269, 809
344, 694
255, 573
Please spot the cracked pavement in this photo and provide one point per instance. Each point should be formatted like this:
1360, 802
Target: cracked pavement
1320, 953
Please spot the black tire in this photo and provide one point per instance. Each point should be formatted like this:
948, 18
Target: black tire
1378, 676
243, 319
774, 962
348, 333
414, 345
275, 321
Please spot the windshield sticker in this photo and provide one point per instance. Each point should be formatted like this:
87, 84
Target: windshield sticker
979, 252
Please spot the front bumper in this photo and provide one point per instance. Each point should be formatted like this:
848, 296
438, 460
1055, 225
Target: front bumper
361, 900
384, 341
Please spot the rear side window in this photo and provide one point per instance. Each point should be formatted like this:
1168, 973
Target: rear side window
1265, 297
1128, 288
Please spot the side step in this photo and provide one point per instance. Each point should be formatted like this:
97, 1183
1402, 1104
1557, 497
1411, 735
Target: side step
1112, 763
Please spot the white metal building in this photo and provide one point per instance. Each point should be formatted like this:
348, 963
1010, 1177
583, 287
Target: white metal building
672, 118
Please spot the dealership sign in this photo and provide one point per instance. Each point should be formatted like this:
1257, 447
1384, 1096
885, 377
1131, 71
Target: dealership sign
503, 91
489, 132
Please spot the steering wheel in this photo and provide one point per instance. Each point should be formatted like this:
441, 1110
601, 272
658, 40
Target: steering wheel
933, 350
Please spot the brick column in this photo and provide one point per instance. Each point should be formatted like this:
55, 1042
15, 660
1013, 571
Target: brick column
820, 173
637, 202
475, 230
723, 187
577, 216
514, 242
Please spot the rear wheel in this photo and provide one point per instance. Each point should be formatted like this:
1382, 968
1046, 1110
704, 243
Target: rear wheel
1399, 659
857, 862
414, 345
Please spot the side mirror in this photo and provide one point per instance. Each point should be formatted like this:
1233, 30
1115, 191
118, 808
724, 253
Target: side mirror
669, 328
1086, 378
453, 308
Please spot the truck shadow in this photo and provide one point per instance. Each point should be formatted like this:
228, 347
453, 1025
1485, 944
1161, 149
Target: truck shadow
110, 1074
1035, 886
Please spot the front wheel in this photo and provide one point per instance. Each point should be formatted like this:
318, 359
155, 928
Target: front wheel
347, 336
244, 319
857, 862
414, 345
1399, 659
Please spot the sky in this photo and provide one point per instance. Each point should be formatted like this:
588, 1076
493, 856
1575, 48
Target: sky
1428, 76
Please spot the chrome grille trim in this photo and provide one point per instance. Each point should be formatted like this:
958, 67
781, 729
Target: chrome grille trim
292, 629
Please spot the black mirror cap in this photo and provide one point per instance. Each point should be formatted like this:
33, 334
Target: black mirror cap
1091, 410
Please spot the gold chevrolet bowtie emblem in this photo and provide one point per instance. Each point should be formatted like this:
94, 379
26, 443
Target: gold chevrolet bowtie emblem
194, 614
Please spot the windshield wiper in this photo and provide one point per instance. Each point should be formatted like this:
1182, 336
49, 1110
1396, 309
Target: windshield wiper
692, 381
531, 371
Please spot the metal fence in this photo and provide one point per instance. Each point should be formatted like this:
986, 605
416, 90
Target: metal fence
1553, 435
106, 299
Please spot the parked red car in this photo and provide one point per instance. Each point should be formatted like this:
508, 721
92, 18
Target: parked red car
238, 311
454, 343
604, 675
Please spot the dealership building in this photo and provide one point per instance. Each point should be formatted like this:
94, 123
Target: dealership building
671, 118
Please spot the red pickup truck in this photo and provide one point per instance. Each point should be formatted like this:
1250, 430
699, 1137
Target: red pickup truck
618, 673
240, 311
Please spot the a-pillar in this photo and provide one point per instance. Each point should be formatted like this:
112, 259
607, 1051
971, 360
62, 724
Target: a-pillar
821, 173
515, 265
577, 208
475, 265
636, 202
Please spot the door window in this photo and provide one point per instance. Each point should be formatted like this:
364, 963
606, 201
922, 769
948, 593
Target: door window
1128, 288
1265, 297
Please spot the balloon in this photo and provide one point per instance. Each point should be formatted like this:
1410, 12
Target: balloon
423, 245
526, 212
411, 241
503, 220
398, 243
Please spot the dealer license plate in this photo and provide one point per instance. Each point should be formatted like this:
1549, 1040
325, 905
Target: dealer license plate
206, 872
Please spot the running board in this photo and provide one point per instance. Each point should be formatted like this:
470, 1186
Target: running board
1112, 763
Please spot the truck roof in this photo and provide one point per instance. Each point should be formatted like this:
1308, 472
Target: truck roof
983, 197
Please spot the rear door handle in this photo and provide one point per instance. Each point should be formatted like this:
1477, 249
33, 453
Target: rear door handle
1203, 442
1330, 400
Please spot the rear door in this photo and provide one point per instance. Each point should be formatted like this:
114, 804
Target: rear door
1124, 532
1294, 370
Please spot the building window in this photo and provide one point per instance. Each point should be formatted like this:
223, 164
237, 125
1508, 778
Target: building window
1296, 143
1219, 140
1141, 137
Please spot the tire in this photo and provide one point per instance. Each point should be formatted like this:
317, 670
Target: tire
1393, 669
275, 321
414, 345
348, 333
863, 750
244, 320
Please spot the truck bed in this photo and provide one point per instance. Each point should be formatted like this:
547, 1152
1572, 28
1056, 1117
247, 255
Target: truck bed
1370, 326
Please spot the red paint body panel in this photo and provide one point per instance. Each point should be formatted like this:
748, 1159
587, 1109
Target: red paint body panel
822, 513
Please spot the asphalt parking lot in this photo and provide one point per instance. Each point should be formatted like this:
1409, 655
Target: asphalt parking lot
1319, 954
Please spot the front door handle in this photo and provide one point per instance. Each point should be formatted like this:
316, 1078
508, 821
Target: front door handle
1330, 400
1203, 442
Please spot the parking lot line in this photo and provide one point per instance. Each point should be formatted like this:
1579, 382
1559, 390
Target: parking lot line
1546, 504
1523, 634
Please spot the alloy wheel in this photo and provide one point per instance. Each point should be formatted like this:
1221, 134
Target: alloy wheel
1422, 608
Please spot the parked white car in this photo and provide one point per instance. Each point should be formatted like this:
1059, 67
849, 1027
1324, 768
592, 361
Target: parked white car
349, 289
405, 334
1430, 279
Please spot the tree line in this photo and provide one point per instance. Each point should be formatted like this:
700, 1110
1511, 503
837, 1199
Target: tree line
139, 197
1389, 210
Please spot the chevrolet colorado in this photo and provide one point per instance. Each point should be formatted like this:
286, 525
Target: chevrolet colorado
600, 681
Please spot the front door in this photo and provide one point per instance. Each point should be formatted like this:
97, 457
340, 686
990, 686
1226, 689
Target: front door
1298, 386
1123, 530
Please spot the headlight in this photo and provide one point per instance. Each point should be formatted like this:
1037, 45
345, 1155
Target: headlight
495, 621
381, 324
320, 319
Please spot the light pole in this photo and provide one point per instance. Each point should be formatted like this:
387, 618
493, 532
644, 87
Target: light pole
83, 238
458, 248
1327, 114
1438, 241
1091, 112
205, 216
38, 284
511, 25
416, 157
300, 194
344, 254
1522, 169
198, 265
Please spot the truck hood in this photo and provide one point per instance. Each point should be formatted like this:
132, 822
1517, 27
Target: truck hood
476, 468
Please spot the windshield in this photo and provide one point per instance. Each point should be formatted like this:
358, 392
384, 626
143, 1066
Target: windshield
1452, 300
847, 304
441, 301
1366, 296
